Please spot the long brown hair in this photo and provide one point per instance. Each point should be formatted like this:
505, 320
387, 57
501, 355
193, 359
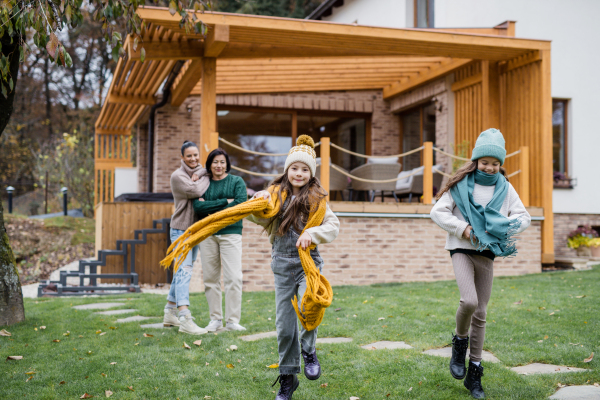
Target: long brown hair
296, 214
460, 174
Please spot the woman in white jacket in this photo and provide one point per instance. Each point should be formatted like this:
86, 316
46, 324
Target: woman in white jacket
482, 213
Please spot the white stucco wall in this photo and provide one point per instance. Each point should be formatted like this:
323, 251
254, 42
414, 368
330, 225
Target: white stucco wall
572, 27
387, 13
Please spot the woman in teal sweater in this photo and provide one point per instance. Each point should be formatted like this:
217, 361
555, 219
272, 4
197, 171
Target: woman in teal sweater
223, 250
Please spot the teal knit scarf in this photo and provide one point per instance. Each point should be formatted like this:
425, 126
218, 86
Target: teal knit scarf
492, 230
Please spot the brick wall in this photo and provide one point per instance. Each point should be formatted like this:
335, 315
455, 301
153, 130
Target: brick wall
377, 250
565, 223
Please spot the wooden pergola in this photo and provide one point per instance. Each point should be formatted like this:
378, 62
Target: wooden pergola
500, 81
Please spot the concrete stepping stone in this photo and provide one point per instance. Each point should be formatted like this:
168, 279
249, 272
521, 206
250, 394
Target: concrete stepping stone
98, 306
447, 352
583, 392
258, 336
326, 340
538, 368
386, 345
134, 318
155, 326
116, 312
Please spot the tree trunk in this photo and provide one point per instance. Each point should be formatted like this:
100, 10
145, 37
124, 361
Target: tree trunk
11, 298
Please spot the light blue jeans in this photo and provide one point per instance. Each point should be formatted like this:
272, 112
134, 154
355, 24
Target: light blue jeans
290, 281
180, 286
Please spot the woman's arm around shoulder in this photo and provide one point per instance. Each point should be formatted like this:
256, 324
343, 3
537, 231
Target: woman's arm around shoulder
441, 214
328, 230
516, 209
185, 186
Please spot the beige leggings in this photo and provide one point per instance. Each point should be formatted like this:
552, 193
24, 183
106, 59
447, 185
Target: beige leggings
474, 276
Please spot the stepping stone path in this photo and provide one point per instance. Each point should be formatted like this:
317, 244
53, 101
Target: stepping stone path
134, 318
327, 340
116, 312
584, 392
537, 368
154, 326
98, 306
258, 336
447, 352
386, 345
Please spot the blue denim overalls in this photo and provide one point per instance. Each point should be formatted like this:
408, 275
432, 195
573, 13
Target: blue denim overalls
290, 281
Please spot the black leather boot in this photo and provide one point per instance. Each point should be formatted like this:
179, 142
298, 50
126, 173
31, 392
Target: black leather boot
312, 368
473, 380
459, 352
288, 384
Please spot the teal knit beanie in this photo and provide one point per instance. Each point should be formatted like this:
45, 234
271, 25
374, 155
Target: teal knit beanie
490, 143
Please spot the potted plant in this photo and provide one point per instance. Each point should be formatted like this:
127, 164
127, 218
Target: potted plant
579, 240
594, 245
561, 180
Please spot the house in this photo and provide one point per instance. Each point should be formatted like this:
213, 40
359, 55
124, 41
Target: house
258, 82
571, 27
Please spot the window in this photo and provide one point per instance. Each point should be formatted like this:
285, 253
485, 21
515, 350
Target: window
559, 136
418, 127
273, 131
424, 16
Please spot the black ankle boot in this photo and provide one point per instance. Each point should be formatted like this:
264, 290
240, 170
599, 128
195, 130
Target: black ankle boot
459, 352
289, 383
312, 368
473, 380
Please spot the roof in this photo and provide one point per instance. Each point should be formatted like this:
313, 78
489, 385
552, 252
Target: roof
258, 54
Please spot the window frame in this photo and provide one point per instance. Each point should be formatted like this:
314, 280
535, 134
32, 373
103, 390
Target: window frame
565, 150
430, 16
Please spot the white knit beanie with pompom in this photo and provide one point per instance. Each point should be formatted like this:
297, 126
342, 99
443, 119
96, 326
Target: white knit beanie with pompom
303, 151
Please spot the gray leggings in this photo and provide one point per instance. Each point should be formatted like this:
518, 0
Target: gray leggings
474, 276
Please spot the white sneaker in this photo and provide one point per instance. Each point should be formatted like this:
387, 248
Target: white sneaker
170, 318
187, 325
214, 325
232, 326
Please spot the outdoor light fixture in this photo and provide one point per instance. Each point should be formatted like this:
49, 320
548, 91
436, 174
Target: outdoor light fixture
189, 109
10, 191
64, 192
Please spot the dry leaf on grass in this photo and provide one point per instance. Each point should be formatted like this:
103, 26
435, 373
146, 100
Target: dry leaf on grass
103, 374
67, 333
42, 327
99, 331
130, 388
518, 302
197, 342
580, 297
276, 365
207, 397
381, 318
135, 344
551, 313
108, 393
233, 347
112, 327
590, 358
354, 398
186, 346
338, 309
30, 373
14, 357
103, 333
540, 341
409, 389
147, 335
56, 340
86, 396
324, 385
4, 332
560, 385
30, 378
545, 337
596, 384
113, 363
62, 382
230, 366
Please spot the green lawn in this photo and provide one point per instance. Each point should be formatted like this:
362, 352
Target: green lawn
553, 324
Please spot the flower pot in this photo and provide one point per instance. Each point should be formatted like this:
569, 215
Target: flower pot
584, 251
595, 251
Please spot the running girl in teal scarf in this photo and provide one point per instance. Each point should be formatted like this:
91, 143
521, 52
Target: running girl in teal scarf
482, 213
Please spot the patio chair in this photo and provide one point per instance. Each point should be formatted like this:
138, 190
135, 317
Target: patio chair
375, 171
338, 182
413, 185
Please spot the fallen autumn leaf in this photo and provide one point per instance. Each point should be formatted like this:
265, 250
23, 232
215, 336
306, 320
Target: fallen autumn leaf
86, 396
4, 332
230, 366
197, 342
186, 345
233, 347
276, 365
108, 393
14, 357
590, 358
147, 335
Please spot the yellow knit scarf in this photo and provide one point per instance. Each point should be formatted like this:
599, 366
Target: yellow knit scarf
318, 295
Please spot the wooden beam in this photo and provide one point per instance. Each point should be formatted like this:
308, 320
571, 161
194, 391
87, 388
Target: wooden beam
470, 81
156, 50
490, 95
184, 87
216, 40
208, 111
129, 99
545, 132
534, 56
397, 88
101, 131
